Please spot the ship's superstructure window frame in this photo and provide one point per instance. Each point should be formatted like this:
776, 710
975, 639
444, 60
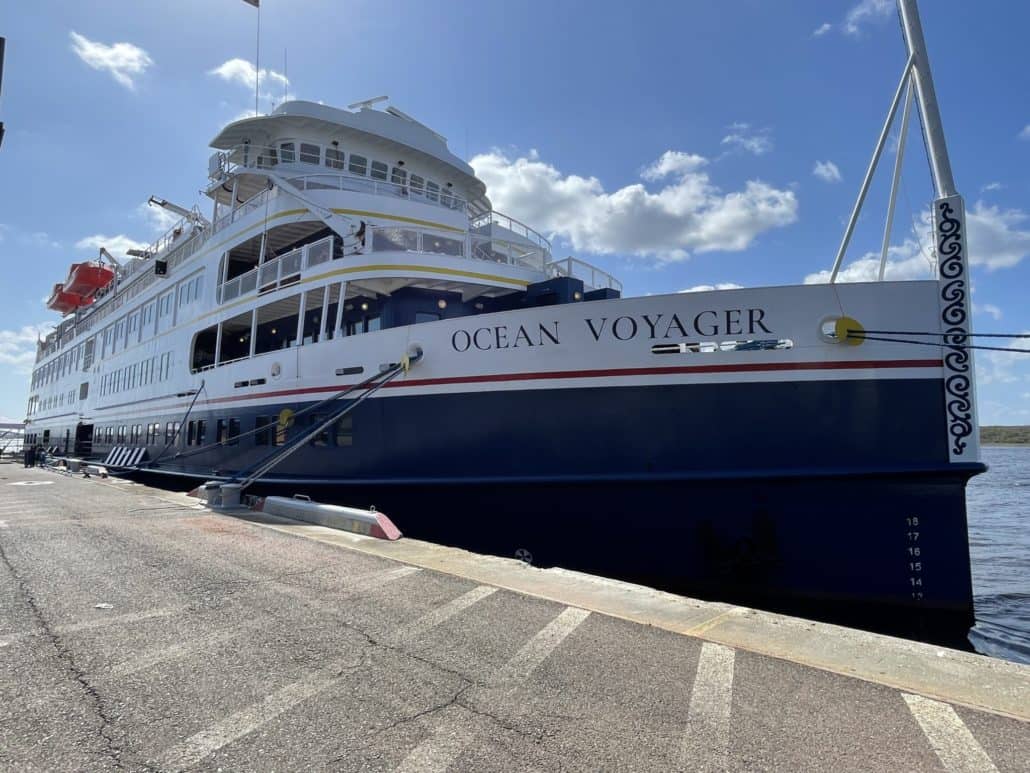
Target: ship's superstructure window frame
358, 164
287, 152
379, 170
334, 158
310, 153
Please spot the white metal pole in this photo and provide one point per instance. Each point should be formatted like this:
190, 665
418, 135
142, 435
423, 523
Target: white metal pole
257, 60
880, 143
905, 115
935, 143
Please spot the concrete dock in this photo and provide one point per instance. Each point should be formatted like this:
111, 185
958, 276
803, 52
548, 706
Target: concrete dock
139, 631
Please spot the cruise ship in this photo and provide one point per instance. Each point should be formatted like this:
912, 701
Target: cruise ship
351, 307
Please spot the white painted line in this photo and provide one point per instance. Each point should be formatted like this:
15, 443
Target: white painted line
7, 639
453, 731
156, 655
439, 615
956, 747
198, 746
373, 581
706, 743
540, 646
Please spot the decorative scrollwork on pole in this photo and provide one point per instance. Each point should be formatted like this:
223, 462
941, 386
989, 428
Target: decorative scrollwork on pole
950, 232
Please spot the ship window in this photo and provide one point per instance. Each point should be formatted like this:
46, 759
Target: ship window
286, 152
398, 176
201, 431
121, 435
379, 170
312, 315
277, 325
220, 431
417, 183
234, 432
432, 191
310, 154
358, 164
322, 438
191, 433
168, 433
334, 158
345, 431
204, 349
331, 309
426, 316
371, 324
263, 430
235, 342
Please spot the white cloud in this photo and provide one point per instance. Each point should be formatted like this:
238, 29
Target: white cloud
743, 137
116, 245
158, 219
673, 162
987, 308
822, 29
1003, 367
243, 73
827, 171
709, 288
18, 347
122, 60
993, 237
688, 213
991, 187
1025, 134
864, 12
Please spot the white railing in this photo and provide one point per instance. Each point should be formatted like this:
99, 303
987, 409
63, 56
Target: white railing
257, 201
278, 272
504, 251
348, 182
511, 224
420, 240
593, 277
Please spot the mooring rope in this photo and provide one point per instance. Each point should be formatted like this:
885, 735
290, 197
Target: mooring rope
861, 336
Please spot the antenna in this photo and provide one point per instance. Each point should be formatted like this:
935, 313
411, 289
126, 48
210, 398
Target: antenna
367, 103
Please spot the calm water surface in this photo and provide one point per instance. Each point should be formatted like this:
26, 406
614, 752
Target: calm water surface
999, 544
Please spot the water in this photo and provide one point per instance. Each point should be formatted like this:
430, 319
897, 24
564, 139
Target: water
998, 504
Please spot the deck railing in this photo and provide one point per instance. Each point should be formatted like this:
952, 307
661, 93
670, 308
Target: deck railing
280, 271
593, 277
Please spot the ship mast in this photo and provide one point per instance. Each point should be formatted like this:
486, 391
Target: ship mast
936, 146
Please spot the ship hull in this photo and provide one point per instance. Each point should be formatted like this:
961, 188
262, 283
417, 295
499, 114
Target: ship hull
763, 506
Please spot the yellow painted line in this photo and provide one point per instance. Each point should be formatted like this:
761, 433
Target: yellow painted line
414, 220
375, 267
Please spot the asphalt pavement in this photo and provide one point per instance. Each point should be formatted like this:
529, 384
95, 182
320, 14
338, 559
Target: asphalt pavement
139, 631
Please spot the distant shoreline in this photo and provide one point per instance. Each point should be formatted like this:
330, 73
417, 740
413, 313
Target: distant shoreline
1005, 436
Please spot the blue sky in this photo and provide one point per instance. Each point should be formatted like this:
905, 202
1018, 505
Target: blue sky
676, 144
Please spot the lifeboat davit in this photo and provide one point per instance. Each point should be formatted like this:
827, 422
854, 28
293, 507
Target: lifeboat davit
65, 302
86, 278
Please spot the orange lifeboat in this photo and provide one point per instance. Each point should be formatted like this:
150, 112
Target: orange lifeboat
65, 302
86, 278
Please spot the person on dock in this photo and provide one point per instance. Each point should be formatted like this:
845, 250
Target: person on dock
30, 456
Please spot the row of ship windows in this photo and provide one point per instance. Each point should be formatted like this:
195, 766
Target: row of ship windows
266, 431
37, 404
334, 158
136, 326
148, 371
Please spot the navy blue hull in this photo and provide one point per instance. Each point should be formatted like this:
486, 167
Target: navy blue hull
830, 496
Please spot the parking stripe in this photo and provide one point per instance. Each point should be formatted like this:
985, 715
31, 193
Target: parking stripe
706, 743
955, 746
206, 742
453, 732
439, 615
7, 639
156, 655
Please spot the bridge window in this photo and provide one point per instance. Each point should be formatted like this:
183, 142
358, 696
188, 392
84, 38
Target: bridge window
379, 170
310, 154
286, 152
358, 164
334, 158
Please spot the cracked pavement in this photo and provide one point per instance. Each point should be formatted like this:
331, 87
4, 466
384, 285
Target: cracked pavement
229, 646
